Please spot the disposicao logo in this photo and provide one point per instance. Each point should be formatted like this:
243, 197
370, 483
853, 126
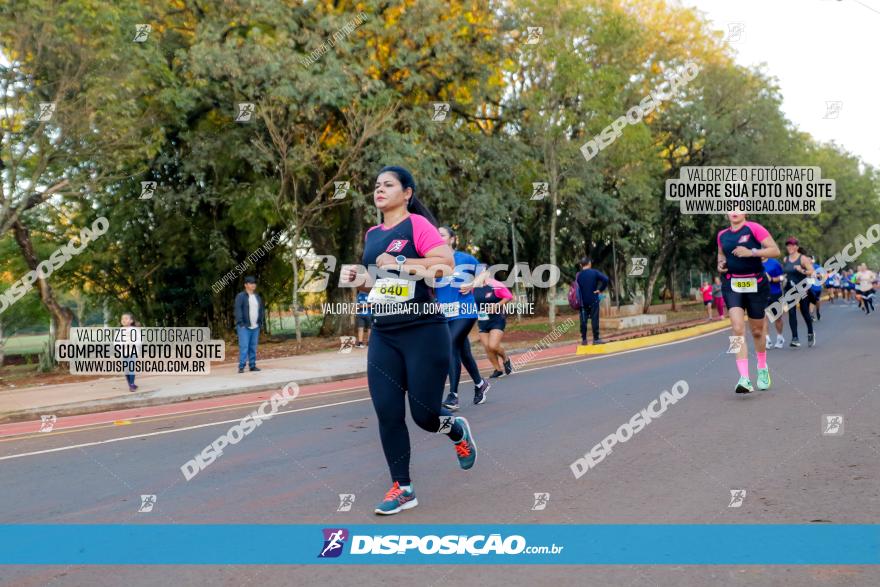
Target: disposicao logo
334, 540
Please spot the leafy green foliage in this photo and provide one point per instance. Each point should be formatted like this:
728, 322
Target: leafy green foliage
344, 87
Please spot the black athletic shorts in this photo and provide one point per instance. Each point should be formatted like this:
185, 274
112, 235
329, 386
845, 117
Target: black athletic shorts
495, 322
753, 303
364, 321
773, 297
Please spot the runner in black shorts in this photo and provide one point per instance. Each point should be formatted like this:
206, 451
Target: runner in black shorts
490, 296
745, 288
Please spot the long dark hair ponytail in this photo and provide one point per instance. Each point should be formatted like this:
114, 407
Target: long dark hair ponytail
451, 232
406, 180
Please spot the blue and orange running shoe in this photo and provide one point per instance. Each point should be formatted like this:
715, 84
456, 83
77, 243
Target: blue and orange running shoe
466, 448
397, 499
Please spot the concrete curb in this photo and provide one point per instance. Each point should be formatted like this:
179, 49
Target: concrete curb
142, 400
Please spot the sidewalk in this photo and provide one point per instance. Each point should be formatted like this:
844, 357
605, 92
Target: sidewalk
111, 393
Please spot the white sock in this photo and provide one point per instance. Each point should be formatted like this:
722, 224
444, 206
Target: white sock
406, 487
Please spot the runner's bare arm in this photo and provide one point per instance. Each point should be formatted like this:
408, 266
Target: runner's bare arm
807, 264
722, 261
353, 272
500, 306
437, 262
768, 249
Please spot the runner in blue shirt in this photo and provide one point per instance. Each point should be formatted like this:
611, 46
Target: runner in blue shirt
458, 304
773, 269
819, 276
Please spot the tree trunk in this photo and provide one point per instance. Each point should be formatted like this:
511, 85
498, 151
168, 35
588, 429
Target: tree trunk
551, 295
295, 294
62, 317
342, 235
656, 269
553, 172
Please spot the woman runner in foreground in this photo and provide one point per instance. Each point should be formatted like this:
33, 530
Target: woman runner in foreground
741, 248
409, 347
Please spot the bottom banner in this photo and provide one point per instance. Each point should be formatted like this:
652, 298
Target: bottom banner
203, 544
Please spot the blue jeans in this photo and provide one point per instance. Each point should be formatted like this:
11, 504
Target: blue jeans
128, 364
247, 346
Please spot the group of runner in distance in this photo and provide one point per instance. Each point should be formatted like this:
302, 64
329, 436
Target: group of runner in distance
420, 333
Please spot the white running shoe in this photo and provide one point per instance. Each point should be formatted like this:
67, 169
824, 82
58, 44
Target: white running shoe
768, 341
780, 342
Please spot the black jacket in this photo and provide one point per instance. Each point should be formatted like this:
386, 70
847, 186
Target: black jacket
589, 280
242, 312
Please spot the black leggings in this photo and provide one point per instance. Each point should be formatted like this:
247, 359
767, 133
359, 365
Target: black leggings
805, 312
414, 361
461, 352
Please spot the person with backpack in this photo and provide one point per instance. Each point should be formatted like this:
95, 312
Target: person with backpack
589, 283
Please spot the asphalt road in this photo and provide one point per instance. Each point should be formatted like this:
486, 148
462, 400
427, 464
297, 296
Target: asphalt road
679, 469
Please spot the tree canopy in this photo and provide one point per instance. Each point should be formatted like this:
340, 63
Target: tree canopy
341, 88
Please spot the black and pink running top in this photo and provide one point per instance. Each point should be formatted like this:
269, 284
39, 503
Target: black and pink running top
491, 293
749, 236
412, 237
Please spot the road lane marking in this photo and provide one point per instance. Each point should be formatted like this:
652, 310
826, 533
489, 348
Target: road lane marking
155, 418
148, 434
208, 424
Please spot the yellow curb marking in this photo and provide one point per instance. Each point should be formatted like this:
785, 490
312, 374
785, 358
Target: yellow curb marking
635, 343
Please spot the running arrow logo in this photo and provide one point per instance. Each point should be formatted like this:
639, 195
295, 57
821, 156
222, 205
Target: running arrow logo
446, 423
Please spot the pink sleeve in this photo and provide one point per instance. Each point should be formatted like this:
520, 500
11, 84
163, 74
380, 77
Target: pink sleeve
759, 231
425, 234
500, 290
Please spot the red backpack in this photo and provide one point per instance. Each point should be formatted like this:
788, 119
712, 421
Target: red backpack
574, 294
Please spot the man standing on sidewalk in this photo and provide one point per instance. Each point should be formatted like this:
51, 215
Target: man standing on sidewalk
248, 321
590, 284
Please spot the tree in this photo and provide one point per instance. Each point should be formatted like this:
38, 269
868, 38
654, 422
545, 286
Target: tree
73, 87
